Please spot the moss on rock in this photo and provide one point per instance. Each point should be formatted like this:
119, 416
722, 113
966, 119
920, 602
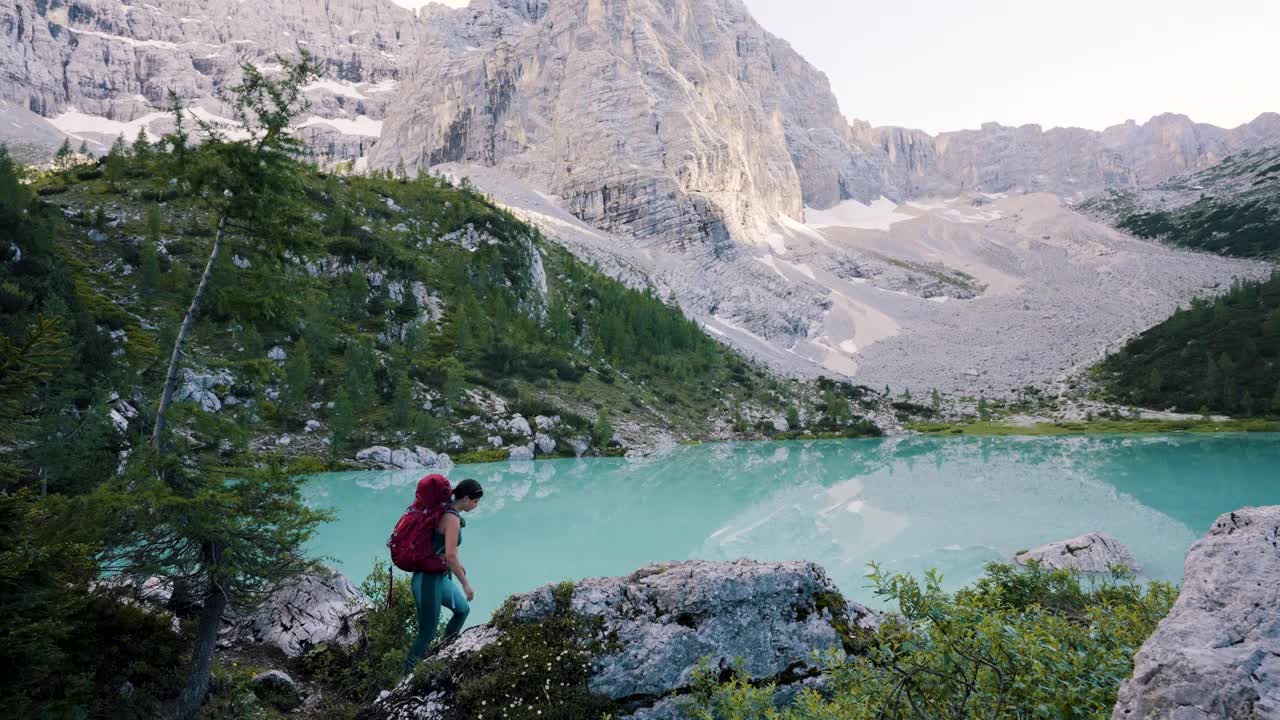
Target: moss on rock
854, 639
536, 668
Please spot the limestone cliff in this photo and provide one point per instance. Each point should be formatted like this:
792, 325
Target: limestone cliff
99, 68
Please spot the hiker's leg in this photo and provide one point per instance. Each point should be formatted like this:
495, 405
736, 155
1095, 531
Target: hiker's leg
455, 600
426, 593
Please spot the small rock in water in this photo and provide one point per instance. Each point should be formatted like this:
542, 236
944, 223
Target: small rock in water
1095, 552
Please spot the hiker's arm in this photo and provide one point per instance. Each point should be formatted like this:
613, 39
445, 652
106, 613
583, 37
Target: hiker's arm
449, 524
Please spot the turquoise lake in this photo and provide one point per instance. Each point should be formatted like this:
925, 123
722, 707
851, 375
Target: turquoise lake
910, 504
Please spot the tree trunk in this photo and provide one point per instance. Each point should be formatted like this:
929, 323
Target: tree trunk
215, 601
171, 377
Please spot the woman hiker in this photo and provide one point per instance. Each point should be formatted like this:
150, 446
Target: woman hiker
431, 591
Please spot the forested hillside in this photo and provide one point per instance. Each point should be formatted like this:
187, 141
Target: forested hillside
378, 310
1232, 208
1220, 355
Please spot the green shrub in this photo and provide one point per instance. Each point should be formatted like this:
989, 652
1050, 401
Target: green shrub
358, 673
1018, 644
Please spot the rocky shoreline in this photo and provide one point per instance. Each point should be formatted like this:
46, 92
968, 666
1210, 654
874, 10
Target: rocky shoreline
636, 642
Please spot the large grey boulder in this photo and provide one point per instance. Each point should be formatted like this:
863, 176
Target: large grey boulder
318, 607
544, 443
404, 458
202, 388
277, 689
1095, 552
658, 622
1217, 653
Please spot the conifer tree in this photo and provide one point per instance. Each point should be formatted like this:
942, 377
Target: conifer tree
116, 164
602, 432
360, 382
935, 400
247, 533
1155, 381
793, 418
62, 158
837, 406
84, 148
342, 423
141, 148
149, 263
1212, 389
244, 183
1229, 391
251, 343
402, 405
297, 377
148, 269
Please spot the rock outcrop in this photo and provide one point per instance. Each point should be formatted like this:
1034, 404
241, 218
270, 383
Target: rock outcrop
404, 459
654, 625
1217, 653
318, 607
1245, 180
1095, 552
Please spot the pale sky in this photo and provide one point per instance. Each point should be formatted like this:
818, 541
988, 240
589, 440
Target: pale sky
954, 64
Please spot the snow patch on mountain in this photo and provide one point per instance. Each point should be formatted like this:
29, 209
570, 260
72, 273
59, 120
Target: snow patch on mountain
880, 214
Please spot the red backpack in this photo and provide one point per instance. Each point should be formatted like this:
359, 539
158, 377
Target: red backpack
410, 541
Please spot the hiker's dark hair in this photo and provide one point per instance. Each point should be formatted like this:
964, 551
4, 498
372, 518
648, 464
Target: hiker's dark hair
468, 488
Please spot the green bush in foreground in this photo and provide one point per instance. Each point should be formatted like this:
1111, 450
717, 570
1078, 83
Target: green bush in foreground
1018, 644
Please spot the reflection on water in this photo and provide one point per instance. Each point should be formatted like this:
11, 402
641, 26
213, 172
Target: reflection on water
910, 504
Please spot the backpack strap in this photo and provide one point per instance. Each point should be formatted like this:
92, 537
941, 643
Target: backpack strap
462, 522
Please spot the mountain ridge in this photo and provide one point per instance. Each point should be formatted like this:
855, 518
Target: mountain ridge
696, 146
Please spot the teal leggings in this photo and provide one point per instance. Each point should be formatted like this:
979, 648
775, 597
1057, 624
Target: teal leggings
430, 592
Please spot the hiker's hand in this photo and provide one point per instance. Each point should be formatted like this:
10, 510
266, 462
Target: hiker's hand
471, 595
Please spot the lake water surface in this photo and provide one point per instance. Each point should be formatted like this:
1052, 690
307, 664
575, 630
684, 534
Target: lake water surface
910, 504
